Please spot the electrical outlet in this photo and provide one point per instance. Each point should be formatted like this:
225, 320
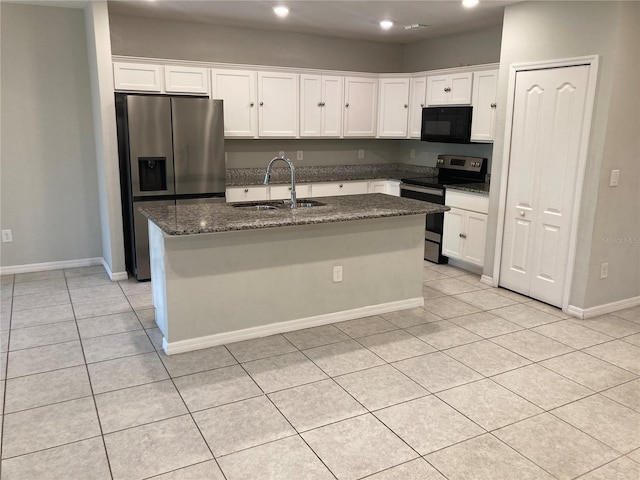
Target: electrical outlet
299, 155
604, 270
337, 273
360, 154
7, 236
281, 153
615, 176
412, 153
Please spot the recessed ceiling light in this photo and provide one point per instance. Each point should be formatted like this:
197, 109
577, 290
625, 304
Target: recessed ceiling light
470, 3
386, 24
281, 11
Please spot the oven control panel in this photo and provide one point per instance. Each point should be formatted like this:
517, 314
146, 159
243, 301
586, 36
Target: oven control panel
456, 162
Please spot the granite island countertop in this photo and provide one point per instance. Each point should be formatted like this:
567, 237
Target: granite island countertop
198, 218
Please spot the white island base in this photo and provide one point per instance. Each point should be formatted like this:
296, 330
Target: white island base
216, 288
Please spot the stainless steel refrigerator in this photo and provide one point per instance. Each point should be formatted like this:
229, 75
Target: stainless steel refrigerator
171, 151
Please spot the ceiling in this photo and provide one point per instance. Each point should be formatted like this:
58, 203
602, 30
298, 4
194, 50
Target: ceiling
334, 18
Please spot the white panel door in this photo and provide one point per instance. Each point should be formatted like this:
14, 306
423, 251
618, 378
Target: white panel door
460, 84
393, 107
476, 234
332, 101
546, 134
360, 106
437, 87
485, 85
180, 79
417, 99
451, 233
310, 105
277, 104
237, 90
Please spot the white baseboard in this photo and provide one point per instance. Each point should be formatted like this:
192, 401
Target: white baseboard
603, 309
114, 276
487, 280
282, 327
41, 267
469, 267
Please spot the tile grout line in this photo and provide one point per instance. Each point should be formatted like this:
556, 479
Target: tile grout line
189, 412
93, 397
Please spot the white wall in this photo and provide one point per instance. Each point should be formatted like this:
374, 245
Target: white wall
146, 37
48, 173
104, 125
534, 31
469, 48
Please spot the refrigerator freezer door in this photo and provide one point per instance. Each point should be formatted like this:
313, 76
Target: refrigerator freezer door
198, 144
151, 151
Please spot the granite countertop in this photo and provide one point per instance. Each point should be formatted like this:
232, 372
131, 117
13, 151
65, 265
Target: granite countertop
335, 173
196, 218
481, 188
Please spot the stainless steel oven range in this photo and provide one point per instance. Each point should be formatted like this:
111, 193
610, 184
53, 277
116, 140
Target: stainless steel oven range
452, 170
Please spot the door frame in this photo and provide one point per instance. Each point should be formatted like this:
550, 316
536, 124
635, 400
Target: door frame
592, 62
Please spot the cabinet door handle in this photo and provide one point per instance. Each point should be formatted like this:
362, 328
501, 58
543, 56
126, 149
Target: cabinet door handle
251, 104
246, 190
522, 213
406, 106
462, 235
261, 104
493, 105
422, 105
347, 105
341, 185
320, 104
448, 89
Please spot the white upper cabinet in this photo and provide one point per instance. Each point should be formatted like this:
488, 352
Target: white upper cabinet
360, 106
485, 86
192, 80
393, 107
137, 77
451, 89
237, 90
321, 98
277, 104
417, 101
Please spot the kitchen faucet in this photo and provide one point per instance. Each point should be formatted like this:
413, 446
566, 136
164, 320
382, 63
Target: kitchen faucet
267, 177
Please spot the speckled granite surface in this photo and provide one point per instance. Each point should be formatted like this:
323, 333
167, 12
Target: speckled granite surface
190, 219
481, 188
337, 173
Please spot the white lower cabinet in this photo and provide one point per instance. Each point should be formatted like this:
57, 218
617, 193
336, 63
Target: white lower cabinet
257, 193
332, 189
247, 194
465, 227
283, 192
388, 187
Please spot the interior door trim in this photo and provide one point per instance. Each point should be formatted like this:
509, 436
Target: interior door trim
592, 62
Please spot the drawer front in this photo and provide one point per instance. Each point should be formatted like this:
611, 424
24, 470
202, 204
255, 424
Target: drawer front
467, 201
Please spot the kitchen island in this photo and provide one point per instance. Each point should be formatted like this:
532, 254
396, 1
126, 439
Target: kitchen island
222, 273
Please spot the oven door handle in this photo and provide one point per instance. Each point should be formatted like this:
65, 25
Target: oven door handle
430, 191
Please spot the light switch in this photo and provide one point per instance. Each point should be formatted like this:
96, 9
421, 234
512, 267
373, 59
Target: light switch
615, 176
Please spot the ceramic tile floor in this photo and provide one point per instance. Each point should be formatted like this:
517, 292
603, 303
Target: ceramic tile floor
481, 383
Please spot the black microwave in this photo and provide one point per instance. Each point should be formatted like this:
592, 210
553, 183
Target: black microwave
446, 124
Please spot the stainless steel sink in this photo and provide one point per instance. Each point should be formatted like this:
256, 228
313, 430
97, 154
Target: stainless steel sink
277, 204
